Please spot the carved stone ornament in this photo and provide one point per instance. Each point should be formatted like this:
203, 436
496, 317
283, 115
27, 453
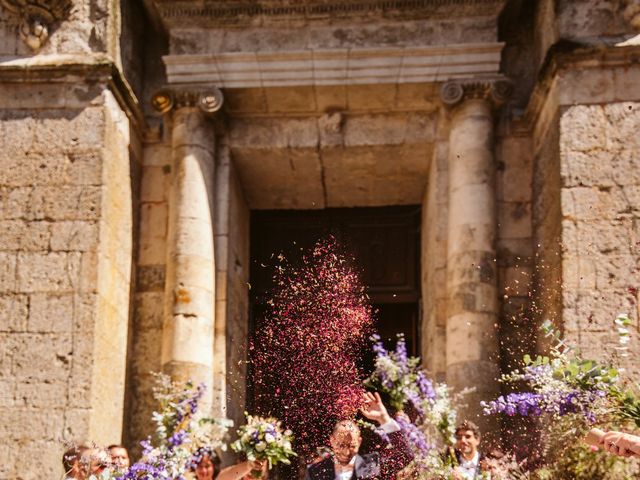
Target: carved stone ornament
209, 100
37, 18
496, 90
631, 13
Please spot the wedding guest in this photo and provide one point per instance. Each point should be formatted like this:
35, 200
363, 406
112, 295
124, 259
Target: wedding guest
93, 461
205, 463
464, 456
71, 462
622, 444
119, 457
345, 461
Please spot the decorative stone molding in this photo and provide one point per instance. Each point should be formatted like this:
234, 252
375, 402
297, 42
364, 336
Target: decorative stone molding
497, 90
209, 99
250, 12
37, 18
340, 66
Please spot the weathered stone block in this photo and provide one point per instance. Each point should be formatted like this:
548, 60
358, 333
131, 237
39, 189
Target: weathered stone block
583, 128
43, 357
7, 393
51, 313
34, 423
43, 395
14, 202
84, 168
155, 184
69, 130
14, 310
8, 262
584, 203
150, 278
153, 233
622, 125
578, 272
589, 310
47, 272
65, 203
514, 220
587, 169
74, 236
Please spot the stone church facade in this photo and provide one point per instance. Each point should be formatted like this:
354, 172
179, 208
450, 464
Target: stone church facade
137, 138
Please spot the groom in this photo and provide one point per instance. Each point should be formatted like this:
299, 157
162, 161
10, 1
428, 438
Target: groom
345, 463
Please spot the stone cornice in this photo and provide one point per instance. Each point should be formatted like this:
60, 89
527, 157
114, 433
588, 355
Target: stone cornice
52, 69
239, 13
583, 59
336, 66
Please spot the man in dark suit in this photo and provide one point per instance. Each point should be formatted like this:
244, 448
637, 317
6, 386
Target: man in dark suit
346, 463
464, 456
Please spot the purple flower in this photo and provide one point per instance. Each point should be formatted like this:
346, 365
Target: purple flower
425, 386
177, 439
401, 351
524, 404
417, 439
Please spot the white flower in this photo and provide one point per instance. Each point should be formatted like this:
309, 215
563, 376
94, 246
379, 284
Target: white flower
261, 446
269, 438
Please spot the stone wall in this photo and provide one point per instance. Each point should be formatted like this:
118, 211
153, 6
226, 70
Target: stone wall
586, 204
600, 200
65, 251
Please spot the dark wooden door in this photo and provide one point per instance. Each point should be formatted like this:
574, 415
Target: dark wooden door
384, 242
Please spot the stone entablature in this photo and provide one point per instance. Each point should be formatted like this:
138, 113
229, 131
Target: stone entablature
340, 66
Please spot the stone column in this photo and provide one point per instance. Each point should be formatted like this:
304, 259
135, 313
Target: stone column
188, 327
472, 295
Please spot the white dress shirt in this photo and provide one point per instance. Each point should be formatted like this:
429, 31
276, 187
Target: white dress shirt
469, 467
388, 427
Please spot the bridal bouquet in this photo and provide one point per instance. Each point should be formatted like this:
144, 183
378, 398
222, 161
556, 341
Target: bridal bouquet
263, 439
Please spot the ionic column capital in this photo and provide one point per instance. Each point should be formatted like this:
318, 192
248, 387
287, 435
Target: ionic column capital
208, 99
494, 90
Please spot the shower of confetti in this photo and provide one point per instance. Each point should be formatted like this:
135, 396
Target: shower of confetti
306, 353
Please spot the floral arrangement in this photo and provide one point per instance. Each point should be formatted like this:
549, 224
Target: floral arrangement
434, 408
402, 379
571, 394
566, 384
264, 439
182, 434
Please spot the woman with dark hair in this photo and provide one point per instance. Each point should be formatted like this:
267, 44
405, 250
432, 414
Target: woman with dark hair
205, 464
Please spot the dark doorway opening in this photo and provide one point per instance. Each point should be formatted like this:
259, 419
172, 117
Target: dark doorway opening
384, 242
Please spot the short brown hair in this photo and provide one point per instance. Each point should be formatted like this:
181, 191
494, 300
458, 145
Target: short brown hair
71, 456
468, 426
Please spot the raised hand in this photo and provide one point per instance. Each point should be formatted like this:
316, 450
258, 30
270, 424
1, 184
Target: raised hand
374, 409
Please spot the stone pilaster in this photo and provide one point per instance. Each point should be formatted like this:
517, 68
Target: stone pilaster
472, 295
189, 319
